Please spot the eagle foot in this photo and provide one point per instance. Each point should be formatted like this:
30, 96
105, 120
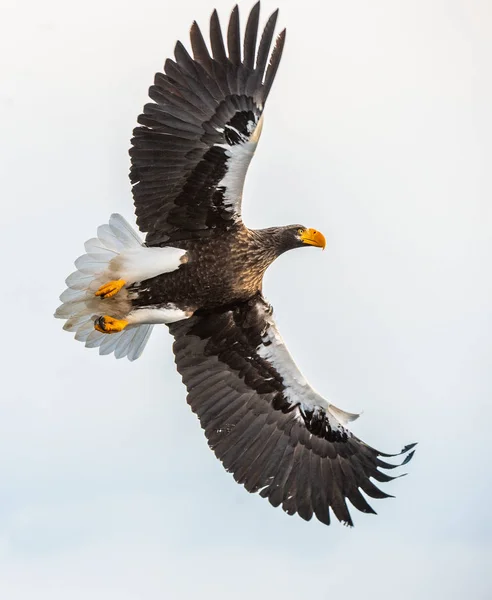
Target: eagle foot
107, 324
110, 289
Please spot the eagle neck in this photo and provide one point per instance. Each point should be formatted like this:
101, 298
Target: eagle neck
266, 245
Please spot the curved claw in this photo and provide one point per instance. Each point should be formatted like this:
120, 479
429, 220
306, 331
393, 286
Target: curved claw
106, 324
110, 289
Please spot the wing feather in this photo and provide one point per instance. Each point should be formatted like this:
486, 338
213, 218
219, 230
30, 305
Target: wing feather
200, 50
265, 44
250, 36
274, 63
217, 40
234, 37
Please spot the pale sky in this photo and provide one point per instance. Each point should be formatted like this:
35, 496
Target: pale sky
378, 133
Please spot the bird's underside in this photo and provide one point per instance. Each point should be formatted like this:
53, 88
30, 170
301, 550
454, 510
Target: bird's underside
200, 271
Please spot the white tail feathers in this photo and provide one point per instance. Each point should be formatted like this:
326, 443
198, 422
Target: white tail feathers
80, 305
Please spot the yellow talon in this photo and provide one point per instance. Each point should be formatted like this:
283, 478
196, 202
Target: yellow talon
110, 289
107, 324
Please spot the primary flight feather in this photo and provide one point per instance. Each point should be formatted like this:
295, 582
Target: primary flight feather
200, 271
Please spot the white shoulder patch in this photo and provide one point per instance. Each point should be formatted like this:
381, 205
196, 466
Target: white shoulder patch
297, 388
153, 315
239, 157
142, 262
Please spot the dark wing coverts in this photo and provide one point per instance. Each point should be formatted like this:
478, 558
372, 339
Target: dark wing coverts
204, 118
265, 423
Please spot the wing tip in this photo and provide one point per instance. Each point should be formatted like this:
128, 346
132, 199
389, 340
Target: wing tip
408, 458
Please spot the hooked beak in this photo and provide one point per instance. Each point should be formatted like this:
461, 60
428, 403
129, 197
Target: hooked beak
312, 237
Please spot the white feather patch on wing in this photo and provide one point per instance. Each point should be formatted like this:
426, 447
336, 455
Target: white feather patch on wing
297, 389
141, 263
161, 314
239, 158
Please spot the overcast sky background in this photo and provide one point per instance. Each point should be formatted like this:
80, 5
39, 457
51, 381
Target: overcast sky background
377, 132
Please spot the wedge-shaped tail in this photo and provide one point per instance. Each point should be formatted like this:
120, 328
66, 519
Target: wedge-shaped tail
116, 256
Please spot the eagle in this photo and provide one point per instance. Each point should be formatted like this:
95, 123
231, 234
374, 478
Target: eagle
200, 271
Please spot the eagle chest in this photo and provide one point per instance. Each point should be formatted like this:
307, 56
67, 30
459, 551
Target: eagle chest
231, 268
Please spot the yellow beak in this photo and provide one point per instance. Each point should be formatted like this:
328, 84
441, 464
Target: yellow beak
312, 237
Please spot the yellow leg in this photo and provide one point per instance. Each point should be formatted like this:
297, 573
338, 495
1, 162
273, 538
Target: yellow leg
107, 324
110, 289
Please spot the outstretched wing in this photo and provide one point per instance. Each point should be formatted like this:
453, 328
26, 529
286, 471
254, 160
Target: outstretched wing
264, 421
195, 143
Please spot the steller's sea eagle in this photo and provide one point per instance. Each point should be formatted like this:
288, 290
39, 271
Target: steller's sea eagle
200, 271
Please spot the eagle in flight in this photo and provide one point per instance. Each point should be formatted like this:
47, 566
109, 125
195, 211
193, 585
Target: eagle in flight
200, 271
